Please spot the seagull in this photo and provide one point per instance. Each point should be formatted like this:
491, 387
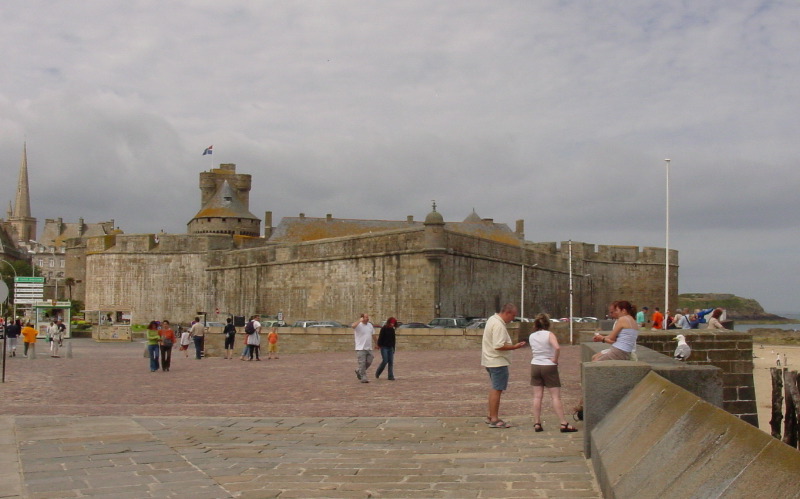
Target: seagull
684, 350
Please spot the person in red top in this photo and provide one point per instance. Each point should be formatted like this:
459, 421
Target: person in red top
658, 319
167, 340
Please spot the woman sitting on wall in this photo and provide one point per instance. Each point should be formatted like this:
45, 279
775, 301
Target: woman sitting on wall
713, 322
623, 334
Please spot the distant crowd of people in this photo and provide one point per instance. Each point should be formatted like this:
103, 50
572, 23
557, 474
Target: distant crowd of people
161, 339
710, 318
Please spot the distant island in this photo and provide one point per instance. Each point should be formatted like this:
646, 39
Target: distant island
738, 308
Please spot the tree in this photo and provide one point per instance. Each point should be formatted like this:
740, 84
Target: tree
69, 282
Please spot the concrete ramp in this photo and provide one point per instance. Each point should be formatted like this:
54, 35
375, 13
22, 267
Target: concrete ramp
663, 441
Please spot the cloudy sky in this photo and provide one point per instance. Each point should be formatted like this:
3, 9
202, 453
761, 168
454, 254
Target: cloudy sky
560, 113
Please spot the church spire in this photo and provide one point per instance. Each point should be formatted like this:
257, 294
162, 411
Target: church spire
22, 204
20, 218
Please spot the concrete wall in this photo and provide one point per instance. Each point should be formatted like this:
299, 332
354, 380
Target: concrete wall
731, 351
663, 441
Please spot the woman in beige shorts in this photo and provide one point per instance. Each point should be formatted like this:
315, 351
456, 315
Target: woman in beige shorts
544, 372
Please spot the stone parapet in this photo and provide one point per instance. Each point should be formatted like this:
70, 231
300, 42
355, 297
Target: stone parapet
606, 383
731, 351
663, 441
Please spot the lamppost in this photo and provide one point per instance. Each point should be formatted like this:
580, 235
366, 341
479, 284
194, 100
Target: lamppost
15, 280
522, 290
666, 253
570, 291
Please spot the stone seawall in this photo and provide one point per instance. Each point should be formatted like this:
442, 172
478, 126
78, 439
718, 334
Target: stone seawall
731, 351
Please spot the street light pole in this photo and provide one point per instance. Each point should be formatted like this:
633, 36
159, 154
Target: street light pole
570, 291
666, 251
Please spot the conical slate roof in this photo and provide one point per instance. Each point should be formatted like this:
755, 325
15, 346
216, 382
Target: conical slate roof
224, 204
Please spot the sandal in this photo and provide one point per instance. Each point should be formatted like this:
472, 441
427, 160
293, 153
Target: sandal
537, 427
499, 424
568, 428
487, 420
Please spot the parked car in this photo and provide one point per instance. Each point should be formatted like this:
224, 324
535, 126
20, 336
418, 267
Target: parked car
413, 325
477, 324
327, 324
459, 322
273, 323
304, 323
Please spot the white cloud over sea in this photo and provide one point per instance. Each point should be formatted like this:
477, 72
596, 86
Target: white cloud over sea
556, 112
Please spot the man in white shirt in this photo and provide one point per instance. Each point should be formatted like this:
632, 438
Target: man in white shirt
495, 358
363, 332
198, 333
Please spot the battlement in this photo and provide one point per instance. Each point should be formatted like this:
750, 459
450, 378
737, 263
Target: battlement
159, 243
608, 253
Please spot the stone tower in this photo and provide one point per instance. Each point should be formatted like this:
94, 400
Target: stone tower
20, 218
224, 204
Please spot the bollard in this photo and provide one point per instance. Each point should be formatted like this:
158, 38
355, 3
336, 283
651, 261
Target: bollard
31, 351
69, 349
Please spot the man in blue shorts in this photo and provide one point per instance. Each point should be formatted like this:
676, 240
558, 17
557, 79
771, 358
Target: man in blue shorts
495, 358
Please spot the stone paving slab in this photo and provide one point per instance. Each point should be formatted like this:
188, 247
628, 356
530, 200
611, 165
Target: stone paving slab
101, 425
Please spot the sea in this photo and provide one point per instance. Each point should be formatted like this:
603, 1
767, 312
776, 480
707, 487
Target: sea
788, 327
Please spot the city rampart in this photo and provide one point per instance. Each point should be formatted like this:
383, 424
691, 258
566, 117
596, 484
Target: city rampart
387, 273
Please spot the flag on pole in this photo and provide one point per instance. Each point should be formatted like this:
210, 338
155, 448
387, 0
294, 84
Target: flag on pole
208, 150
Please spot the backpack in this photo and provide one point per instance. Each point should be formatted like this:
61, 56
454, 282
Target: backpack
249, 328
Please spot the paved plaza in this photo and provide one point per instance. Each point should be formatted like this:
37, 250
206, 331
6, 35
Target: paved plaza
101, 424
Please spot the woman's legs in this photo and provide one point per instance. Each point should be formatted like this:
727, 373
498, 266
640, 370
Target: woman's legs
384, 361
538, 393
558, 407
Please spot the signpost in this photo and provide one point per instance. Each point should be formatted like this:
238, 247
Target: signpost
28, 290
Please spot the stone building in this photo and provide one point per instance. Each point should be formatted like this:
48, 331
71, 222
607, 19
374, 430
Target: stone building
329, 268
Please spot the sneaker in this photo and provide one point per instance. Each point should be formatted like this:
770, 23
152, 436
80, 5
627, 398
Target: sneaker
358, 374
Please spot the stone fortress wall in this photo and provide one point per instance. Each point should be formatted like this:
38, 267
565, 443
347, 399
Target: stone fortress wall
404, 273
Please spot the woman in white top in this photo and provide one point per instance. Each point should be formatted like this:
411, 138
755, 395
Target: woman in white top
544, 372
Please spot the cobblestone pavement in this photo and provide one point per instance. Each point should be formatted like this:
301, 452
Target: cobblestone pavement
101, 425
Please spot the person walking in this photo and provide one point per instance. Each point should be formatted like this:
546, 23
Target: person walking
272, 340
29, 335
57, 338
198, 332
186, 340
254, 339
544, 372
230, 338
495, 358
363, 332
167, 336
386, 342
152, 345
13, 330
51, 330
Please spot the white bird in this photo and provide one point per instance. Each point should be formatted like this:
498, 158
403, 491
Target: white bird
684, 350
